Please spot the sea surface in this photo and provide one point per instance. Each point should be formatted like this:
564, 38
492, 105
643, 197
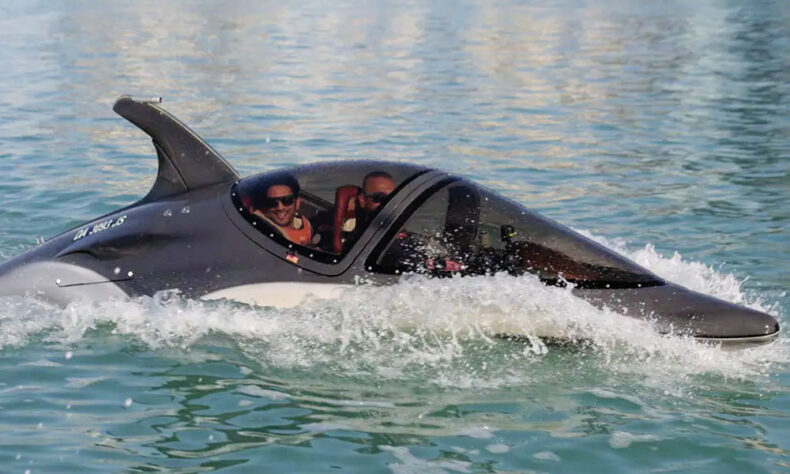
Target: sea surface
661, 128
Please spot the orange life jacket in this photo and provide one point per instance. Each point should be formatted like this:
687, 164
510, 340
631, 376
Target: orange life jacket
303, 235
300, 232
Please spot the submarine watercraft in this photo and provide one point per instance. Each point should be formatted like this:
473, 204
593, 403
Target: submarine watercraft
198, 230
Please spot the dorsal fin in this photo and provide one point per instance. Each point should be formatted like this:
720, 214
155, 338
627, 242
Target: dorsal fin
186, 162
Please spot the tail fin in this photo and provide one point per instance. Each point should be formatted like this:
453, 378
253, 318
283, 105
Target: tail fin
186, 162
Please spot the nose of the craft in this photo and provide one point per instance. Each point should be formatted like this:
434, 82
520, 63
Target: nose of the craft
710, 318
674, 309
738, 323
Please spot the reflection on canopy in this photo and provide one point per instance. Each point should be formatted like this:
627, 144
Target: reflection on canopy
463, 228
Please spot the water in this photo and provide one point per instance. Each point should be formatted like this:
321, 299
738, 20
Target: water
661, 129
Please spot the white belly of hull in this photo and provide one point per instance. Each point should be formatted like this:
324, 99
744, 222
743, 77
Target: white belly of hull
280, 294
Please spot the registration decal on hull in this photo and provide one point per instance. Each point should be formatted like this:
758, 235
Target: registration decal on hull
101, 226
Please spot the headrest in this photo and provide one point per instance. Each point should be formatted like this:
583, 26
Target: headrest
345, 208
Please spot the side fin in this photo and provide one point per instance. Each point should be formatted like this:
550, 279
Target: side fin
186, 162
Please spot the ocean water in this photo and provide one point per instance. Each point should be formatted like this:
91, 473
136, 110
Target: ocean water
661, 129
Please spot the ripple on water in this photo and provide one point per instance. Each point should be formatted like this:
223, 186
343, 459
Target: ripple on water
668, 126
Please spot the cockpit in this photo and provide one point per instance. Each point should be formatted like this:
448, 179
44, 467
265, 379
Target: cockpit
339, 200
446, 226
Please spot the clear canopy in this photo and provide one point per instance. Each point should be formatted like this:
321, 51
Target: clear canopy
464, 228
456, 228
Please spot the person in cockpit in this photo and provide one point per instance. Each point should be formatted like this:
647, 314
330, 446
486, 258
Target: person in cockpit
354, 210
376, 188
279, 205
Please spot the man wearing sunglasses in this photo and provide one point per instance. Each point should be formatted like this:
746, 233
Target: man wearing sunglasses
279, 205
376, 188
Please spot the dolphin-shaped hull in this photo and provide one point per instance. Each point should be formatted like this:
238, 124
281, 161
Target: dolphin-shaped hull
195, 232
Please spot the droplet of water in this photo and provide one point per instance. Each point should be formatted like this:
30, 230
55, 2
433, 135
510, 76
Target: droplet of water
167, 213
69, 355
127, 403
185, 210
117, 270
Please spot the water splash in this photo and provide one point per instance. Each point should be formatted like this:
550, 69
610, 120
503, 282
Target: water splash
693, 275
443, 331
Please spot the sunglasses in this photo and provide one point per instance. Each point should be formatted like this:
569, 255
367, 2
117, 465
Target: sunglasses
378, 198
270, 202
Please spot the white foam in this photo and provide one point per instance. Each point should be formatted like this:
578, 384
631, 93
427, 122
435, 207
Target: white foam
323, 427
82, 382
622, 439
693, 275
408, 463
547, 456
497, 448
361, 403
440, 330
479, 432
41, 363
258, 392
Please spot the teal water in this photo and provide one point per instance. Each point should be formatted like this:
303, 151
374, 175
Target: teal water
660, 128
